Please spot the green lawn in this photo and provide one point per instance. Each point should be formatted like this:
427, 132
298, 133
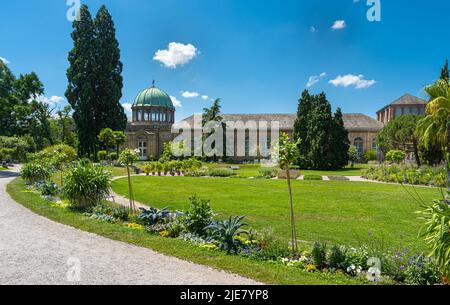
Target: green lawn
2, 168
262, 271
341, 212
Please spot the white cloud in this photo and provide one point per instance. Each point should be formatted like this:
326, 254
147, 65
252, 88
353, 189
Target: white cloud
352, 80
205, 97
188, 94
176, 54
176, 102
314, 79
4, 60
313, 29
338, 25
53, 100
127, 107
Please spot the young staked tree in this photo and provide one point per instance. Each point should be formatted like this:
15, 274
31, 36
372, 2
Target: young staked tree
82, 77
127, 158
288, 153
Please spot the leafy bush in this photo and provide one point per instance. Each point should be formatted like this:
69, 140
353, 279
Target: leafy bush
337, 258
47, 188
101, 155
313, 177
370, 155
16, 148
197, 173
33, 172
319, 255
396, 156
69, 152
86, 185
226, 232
113, 156
199, 216
422, 271
121, 213
221, 172
268, 172
436, 232
153, 216
274, 251
148, 168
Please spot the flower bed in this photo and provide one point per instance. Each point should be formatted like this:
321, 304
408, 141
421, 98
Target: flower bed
407, 174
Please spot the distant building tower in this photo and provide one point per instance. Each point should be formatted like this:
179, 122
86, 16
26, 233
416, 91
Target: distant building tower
407, 104
153, 115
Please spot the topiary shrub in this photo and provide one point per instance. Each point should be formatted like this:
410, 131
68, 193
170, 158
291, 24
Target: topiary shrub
101, 155
113, 156
86, 185
33, 172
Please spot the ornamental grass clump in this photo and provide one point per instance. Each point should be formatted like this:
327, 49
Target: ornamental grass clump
33, 172
86, 185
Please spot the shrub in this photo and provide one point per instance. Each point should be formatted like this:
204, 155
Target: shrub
47, 188
221, 172
121, 213
226, 232
199, 216
69, 152
268, 172
148, 168
101, 155
337, 258
86, 185
370, 155
422, 271
273, 252
112, 156
396, 156
33, 172
313, 177
319, 255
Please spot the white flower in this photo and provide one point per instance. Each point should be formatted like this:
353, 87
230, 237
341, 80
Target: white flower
374, 274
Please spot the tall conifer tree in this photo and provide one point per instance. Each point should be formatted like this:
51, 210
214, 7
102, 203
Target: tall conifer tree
301, 128
445, 75
340, 143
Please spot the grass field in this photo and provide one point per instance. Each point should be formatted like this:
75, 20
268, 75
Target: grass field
342, 212
262, 271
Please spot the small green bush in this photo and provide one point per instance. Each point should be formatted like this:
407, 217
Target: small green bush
199, 216
272, 252
86, 185
113, 156
101, 155
422, 271
221, 172
33, 172
319, 255
396, 156
268, 172
337, 258
313, 177
370, 155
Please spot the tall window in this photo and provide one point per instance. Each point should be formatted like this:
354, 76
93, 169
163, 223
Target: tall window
374, 144
359, 144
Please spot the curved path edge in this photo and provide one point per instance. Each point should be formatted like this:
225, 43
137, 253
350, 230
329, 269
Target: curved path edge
36, 250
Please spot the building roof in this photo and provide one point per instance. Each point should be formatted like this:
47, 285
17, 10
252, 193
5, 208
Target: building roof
406, 99
153, 97
352, 122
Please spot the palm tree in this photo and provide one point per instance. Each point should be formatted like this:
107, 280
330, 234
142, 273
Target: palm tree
435, 127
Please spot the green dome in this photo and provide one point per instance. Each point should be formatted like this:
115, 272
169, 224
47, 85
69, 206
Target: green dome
154, 97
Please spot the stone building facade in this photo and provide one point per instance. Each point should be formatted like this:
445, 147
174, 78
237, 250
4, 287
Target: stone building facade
153, 119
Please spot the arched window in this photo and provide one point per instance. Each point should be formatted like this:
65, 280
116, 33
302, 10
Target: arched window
359, 144
374, 144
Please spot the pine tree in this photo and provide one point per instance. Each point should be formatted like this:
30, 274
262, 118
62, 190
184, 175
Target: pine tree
340, 143
81, 77
109, 82
319, 125
445, 72
301, 128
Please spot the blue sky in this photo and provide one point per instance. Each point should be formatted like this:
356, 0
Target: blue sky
256, 55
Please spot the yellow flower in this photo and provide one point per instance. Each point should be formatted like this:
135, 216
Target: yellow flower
135, 226
310, 268
209, 247
164, 233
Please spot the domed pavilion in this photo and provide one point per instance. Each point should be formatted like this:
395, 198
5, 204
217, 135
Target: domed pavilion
153, 115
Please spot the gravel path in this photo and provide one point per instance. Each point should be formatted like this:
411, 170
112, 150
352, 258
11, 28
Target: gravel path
35, 250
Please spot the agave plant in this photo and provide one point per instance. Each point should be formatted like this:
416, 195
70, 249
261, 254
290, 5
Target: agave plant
153, 216
226, 232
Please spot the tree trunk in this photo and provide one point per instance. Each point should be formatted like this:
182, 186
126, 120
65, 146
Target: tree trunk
130, 192
293, 229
